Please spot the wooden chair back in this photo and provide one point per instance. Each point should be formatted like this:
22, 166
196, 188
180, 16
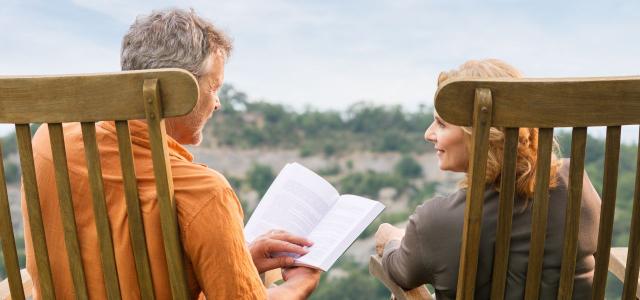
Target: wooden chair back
151, 95
544, 104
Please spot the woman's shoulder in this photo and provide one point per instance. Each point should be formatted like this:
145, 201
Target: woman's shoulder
441, 210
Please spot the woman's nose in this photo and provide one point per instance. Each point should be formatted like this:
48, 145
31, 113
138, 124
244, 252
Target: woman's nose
429, 134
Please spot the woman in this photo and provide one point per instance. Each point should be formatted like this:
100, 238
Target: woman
429, 252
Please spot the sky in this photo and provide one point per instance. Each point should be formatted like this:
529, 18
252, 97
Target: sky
330, 54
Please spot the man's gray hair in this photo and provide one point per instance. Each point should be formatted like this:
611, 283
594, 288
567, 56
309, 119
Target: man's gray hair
172, 38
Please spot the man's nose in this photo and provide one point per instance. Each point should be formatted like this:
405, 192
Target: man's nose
216, 104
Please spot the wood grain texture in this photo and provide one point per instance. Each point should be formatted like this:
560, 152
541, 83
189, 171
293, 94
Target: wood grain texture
618, 265
164, 187
9, 252
136, 225
570, 102
107, 256
572, 214
469, 250
505, 213
23, 136
58, 151
376, 269
605, 230
92, 97
27, 287
539, 214
633, 256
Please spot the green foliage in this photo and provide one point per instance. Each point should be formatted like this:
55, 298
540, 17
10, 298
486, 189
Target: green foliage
364, 126
235, 182
9, 145
11, 171
356, 284
419, 195
369, 183
387, 217
408, 167
260, 178
330, 170
594, 166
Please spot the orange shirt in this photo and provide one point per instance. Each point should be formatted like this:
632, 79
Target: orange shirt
218, 262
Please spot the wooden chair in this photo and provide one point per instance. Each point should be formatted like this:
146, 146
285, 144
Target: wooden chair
152, 95
544, 104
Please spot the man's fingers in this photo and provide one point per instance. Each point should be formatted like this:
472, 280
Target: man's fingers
278, 262
272, 246
288, 237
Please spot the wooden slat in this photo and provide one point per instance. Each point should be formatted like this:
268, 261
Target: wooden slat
633, 256
107, 257
505, 213
610, 183
539, 214
67, 215
136, 226
617, 265
572, 215
577, 102
23, 135
92, 97
9, 251
27, 287
271, 277
473, 209
164, 186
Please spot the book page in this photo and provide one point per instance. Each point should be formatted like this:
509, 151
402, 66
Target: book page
339, 229
296, 201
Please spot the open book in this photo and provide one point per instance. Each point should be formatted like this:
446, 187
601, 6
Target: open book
305, 204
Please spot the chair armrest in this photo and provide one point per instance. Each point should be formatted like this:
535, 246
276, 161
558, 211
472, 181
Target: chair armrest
618, 264
27, 286
269, 278
375, 268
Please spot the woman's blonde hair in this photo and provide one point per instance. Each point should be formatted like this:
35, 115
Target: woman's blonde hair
527, 141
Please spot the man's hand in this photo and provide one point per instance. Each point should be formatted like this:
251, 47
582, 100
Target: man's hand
299, 283
265, 246
387, 232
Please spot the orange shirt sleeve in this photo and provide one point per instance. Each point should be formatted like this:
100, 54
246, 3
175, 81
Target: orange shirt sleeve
214, 242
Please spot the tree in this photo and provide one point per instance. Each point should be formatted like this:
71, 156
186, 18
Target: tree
408, 167
260, 178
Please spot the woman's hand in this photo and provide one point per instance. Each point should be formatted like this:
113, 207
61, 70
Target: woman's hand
264, 248
386, 233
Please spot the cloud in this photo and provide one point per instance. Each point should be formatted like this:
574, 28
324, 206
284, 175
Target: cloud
332, 53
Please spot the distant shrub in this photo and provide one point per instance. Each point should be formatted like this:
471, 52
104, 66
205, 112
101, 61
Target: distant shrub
260, 178
236, 183
330, 170
370, 183
408, 167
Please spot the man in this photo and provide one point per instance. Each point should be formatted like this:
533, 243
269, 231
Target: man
218, 262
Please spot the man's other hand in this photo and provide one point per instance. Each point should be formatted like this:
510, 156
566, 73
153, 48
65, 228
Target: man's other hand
299, 283
275, 242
